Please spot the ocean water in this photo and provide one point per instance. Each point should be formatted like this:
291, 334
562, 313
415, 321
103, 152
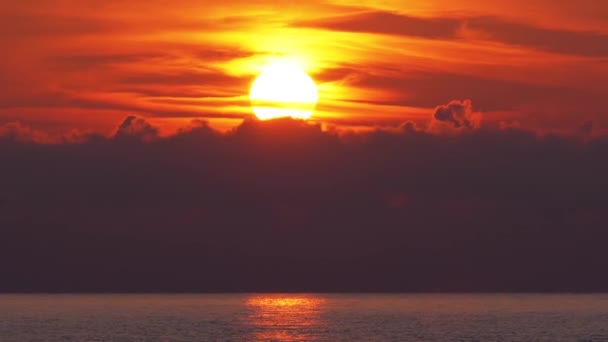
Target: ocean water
305, 317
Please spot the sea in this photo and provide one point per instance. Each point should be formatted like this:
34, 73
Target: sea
303, 317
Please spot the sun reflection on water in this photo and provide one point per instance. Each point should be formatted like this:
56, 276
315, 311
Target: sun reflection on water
285, 317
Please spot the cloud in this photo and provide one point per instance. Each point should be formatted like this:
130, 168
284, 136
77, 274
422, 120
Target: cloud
389, 23
409, 126
78, 62
286, 199
135, 127
491, 28
459, 114
428, 88
187, 77
583, 43
18, 132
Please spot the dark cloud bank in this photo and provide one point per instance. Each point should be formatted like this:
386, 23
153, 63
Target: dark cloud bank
282, 206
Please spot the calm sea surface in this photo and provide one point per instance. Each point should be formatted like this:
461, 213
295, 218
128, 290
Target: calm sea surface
308, 317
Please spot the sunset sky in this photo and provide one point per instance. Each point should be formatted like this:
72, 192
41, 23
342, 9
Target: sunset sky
456, 145
83, 66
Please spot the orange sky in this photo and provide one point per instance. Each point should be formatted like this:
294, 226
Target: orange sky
86, 64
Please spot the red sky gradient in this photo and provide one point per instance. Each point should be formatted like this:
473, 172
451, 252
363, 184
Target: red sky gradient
483, 166
85, 65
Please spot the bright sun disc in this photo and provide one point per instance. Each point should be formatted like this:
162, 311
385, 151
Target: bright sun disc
283, 90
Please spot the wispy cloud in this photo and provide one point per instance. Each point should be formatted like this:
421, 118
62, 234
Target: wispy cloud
381, 64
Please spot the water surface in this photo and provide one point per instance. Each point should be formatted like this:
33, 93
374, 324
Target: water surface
306, 317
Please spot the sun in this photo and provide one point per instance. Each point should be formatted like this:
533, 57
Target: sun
283, 89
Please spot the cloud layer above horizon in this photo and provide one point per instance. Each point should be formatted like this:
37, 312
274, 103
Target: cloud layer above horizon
285, 206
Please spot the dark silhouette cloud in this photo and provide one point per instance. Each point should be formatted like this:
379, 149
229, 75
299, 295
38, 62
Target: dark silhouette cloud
284, 206
136, 127
458, 113
16, 131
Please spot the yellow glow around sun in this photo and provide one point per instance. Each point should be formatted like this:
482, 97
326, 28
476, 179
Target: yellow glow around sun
283, 89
